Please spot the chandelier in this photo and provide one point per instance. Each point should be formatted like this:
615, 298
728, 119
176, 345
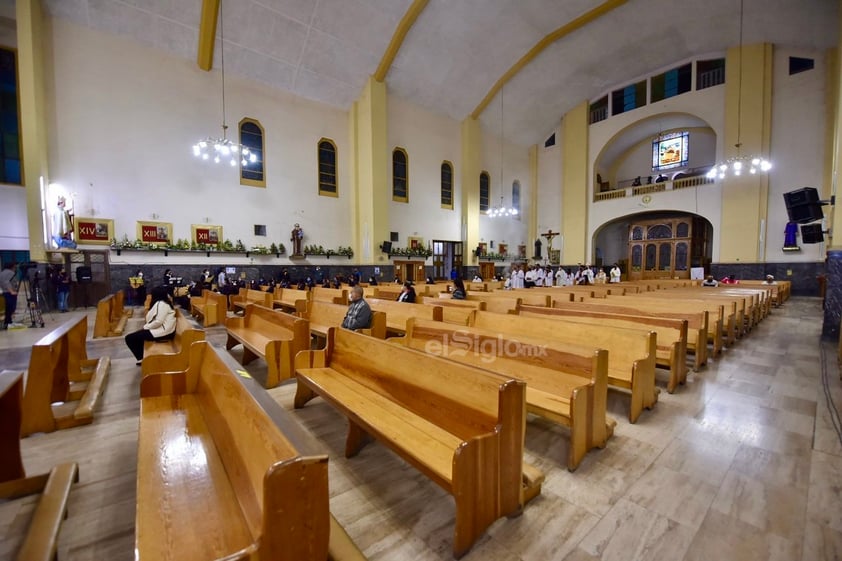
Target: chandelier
740, 163
501, 211
219, 149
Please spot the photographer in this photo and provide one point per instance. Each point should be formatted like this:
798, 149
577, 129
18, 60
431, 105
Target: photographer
62, 289
10, 291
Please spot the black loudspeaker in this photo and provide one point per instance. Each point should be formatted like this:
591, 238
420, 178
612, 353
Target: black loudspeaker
84, 275
812, 233
803, 205
386, 247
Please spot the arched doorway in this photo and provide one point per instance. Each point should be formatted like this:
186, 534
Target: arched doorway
652, 245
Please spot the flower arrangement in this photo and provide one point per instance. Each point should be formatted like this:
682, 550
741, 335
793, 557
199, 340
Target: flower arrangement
320, 250
411, 252
493, 257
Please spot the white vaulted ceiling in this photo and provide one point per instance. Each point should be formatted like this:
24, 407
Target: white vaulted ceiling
457, 49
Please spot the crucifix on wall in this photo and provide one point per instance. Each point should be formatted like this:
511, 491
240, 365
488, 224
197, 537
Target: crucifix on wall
549, 234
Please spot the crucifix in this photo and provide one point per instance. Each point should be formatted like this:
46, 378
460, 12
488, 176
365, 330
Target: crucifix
549, 234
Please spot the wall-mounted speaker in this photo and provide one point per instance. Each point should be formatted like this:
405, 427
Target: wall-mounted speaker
803, 205
812, 233
386, 247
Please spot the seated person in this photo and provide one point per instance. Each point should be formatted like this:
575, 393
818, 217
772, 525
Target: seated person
636, 182
729, 279
372, 281
407, 293
770, 279
710, 281
359, 312
160, 323
430, 280
477, 278
458, 290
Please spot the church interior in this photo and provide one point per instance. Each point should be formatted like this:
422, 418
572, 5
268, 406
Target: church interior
268, 164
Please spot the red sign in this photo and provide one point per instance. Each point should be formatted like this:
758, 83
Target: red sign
92, 231
207, 236
154, 234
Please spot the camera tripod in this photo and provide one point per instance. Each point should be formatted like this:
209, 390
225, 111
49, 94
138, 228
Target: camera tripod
36, 303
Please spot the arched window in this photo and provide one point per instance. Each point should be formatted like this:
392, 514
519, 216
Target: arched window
516, 196
400, 175
252, 137
328, 185
447, 185
484, 191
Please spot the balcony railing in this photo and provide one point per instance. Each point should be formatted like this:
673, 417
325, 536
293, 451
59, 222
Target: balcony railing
635, 190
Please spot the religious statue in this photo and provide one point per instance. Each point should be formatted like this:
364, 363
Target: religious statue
62, 229
295, 237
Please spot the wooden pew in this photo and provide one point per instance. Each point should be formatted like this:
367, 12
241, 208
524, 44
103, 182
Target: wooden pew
173, 354
528, 297
288, 299
248, 296
60, 371
780, 291
111, 316
323, 316
260, 489
457, 312
272, 335
697, 323
566, 384
631, 352
42, 535
672, 334
397, 313
386, 292
211, 306
460, 426
330, 295
722, 321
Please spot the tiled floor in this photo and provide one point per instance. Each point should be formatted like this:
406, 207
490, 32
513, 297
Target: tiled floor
741, 464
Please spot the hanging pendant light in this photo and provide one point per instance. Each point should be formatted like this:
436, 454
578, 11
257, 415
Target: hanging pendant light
739, 164
502, 210
222, 149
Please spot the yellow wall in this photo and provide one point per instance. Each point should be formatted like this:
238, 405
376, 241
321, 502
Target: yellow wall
370, 211
748, 95
532, 225
574, 184
30, 33
471, 146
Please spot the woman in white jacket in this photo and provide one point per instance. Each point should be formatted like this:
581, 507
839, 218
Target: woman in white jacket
160, 323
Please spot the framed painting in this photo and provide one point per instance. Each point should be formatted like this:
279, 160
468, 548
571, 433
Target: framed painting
521, 252
205, 234
502, 249
414, 243
482, 249
154, 232
99, 231
555, 257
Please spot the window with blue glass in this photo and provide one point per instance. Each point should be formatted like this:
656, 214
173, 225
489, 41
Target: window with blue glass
252, 137
10, 148
672, 82
628, 98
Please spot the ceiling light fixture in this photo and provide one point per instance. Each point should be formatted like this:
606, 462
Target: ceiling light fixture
501, 210
219, 149
740, 163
